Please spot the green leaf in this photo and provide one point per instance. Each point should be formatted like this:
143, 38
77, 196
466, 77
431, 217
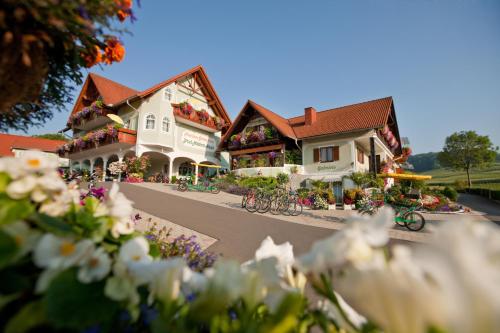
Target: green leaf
13, 210
154, 250
74, 305
52, 224
30, 316
8, 249
13, 280
6, 299
4, 181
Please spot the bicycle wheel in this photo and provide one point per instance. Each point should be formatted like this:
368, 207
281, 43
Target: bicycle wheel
182, 187
214, 189
295, 208
243, 201
285, 207
274, 206
251, 203
264, 204
414, 221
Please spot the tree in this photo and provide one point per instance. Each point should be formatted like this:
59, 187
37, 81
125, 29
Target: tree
466, 150
360, 178
45, 45
52, 136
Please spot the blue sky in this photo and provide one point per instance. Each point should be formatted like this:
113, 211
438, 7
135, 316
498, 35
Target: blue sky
439, 59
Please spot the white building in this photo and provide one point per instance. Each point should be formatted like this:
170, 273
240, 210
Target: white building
176, 122
326, 145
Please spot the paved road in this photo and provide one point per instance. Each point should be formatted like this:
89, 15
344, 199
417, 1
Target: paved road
239, 233
490, 208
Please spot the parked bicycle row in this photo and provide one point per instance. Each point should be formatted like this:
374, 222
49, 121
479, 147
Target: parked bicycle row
277, 201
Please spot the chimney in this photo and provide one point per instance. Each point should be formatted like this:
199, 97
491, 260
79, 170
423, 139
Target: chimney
310, 115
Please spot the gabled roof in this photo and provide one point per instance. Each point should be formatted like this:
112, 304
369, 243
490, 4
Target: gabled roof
360, 116
112, 92
115, 94
365, 115
9, 142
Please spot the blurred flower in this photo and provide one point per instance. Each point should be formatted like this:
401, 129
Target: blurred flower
135, 250
120, 208
24, 236
114, 51
54, 252
94, 267
283, 253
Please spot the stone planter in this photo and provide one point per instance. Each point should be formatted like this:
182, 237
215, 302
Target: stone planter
332, 207
348, 207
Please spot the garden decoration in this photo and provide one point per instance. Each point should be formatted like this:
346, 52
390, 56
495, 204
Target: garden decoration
75, 266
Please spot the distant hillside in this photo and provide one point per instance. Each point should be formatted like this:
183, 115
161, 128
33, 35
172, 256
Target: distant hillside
486, 175
424, 162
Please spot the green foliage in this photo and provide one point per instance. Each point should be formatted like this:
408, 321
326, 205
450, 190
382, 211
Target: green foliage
282, 178
173, 179
450, 193
52, 136
319, 185
73, 305
424, 162
466, 150
30, 316
293, 156
258, 182
43, 55
360, 179
12, 210
8, 249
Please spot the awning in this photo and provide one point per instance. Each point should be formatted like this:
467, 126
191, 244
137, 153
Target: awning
207, 165
404, 176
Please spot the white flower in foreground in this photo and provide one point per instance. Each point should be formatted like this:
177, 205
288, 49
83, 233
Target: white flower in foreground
120, 208
398, 297
135, 250
35, 161
357, 244
225, 279
25, 237
59, 253
334, 312
94, 267
59, 204
21, 188
463, 261
283, 253
166, 284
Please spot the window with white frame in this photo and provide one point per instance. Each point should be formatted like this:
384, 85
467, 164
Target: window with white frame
150, 122
165, 125
168, 94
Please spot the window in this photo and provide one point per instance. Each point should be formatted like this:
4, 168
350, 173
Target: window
168, 94
150, 122
165, 125
127, 123
361, 156
326, 154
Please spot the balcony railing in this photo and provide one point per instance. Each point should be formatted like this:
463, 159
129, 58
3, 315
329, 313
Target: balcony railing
201, 119
104, 136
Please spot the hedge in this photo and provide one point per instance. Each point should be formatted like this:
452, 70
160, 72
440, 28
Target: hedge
485, 192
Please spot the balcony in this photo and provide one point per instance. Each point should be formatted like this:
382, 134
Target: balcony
89, 117
99, 141
184, 113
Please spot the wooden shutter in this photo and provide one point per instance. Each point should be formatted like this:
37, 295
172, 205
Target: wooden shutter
316, 155
336, 153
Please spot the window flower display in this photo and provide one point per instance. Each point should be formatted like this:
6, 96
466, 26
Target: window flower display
187, 111
92, 111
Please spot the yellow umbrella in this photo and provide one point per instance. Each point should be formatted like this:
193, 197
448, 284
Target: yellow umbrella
405, 176
116, 119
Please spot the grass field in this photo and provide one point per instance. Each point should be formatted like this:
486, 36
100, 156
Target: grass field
449, 176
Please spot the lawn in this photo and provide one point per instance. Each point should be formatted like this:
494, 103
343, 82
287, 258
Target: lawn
449, 176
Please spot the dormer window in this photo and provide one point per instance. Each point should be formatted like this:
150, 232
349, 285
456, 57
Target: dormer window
168, 94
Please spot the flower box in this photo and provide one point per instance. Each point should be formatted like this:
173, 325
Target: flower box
348, 207
332, 207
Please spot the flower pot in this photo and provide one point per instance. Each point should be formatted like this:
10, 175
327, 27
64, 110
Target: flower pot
348, 207
332, 207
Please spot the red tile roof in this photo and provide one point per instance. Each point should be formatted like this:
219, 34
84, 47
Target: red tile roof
112, 92
9, 142
365, 115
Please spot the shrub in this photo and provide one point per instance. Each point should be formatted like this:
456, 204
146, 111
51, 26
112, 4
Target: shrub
174, 179
319, 202
450, 193
255, 182
282, 178
460, 185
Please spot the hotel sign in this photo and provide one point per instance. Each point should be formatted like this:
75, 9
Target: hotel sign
198, 141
